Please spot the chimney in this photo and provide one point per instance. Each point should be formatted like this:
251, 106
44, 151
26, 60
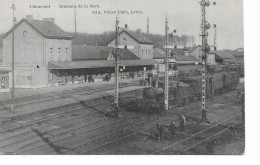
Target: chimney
51, 20
148, 25
126, 26
138, 31
29, 17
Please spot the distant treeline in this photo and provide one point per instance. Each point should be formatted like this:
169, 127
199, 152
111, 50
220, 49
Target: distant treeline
158, 40
104, 38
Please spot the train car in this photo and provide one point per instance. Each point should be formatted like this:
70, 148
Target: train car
230, 80
182, 91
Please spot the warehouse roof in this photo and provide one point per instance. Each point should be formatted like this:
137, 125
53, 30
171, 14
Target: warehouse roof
96, 64
184, 58
83, 52
222, 54
178, 51
45, 28
137, 36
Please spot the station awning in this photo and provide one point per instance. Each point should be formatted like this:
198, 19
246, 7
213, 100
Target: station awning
4, 70
84, 64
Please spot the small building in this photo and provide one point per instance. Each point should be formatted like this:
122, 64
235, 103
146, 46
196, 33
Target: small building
221, 56
185, 65
159, 56
141, 46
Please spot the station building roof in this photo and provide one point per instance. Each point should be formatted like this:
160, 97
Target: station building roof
83, 52
137, 36
46, 28
84, 64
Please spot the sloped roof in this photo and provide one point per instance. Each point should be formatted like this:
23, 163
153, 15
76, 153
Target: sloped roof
222, 54
184, 58
177, 51
198, 46
97, 64
83, 52
137, 36
45, 28
158, 54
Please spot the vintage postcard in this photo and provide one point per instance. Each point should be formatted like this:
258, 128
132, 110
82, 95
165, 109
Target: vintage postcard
122, 77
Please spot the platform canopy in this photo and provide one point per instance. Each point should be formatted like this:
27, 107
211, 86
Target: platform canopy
85, 64
4, 70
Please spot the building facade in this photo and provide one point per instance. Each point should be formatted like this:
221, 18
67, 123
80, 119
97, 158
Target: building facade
45, 56
135, 42
36, 42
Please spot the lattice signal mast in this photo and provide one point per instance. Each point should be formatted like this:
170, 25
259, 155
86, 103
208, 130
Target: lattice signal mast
166, 85
14, 22
116, 68
205, 49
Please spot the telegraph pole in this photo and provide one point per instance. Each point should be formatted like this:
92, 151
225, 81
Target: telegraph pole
75, 23
205, 49
116, 70
14, 22
166, 85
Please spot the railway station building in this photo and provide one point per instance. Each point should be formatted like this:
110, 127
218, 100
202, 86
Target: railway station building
45, 56
135, 42
97, 63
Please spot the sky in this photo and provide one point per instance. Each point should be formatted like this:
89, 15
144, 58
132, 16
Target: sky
183, 15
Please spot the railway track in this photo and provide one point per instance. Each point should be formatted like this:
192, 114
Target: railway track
193, 140
83, 130
124, 140
34, 99
150, 125
27, 131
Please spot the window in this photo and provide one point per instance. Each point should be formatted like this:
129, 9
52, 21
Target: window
51, 53
124, 39
66, 53
59, 53
125, 46
51, 76
25, 33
